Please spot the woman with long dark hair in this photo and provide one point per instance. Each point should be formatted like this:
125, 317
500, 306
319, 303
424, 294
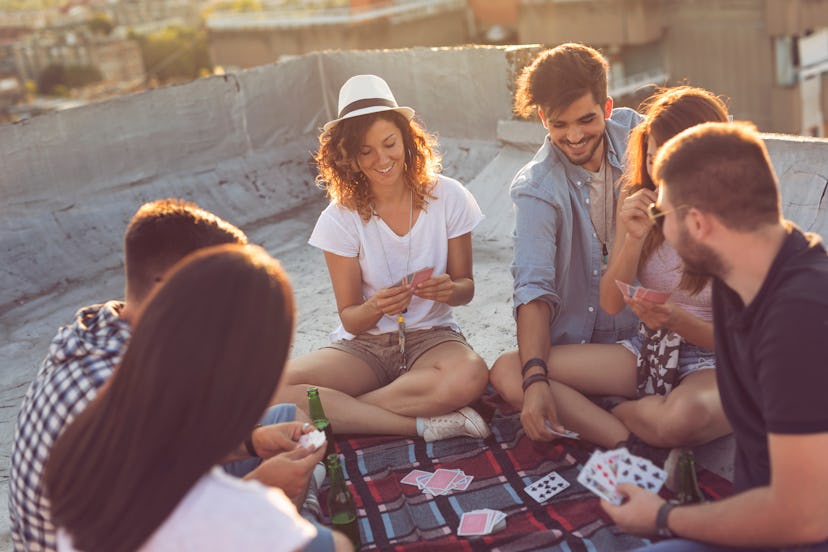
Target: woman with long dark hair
397, 241
136, 469
666, 370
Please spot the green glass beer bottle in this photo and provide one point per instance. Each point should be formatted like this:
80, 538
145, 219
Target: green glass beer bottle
319, 420
689, 491
341, 505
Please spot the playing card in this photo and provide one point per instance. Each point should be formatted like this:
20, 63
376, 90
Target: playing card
421, 276
462, 483
440, 482
546, 487
627, 290
481, 522
641, 472
651, 295
411, 477
588, 480
414, 278
598, 468
473, 523
565, 433
312, 440
422, 480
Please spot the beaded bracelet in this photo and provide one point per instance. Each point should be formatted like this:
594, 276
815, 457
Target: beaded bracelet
534, 362
534, 378
248, 443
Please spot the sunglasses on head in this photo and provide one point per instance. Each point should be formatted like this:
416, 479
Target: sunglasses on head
656, 215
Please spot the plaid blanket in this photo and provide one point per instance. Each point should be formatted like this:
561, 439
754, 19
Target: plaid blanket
395, 516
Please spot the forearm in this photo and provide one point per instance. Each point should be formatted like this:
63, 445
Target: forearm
692, 328
623, 266
751, 519
462, 293
358, 319
533, 333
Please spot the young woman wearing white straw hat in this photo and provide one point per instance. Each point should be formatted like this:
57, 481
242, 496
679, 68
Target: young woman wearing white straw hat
396, 237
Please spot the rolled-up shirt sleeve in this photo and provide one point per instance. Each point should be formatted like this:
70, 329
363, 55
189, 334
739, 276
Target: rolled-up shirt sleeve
535, 248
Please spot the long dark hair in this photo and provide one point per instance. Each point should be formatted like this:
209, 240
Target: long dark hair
204, 360
668, 112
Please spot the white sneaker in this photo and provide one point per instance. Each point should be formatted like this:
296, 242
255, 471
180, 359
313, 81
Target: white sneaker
460, 423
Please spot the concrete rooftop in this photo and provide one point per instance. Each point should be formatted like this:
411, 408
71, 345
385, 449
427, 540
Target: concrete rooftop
239, 145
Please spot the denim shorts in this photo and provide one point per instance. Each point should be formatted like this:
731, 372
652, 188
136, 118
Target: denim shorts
692, 358
382, 352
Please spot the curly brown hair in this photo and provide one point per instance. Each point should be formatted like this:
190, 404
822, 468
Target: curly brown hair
340, 176
668, 112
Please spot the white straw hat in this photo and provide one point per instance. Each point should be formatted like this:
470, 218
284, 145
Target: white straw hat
364, 94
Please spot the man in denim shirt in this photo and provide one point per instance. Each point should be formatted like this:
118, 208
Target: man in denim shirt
564, 203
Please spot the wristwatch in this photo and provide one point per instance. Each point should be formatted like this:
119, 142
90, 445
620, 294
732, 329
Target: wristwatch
661, 519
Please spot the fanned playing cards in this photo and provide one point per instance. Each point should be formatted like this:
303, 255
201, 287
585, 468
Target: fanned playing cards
605, 470
640, 292
440, 482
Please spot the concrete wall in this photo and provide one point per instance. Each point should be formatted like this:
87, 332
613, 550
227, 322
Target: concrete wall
240, 145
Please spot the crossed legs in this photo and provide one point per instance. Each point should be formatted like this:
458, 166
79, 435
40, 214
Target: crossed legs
445, 378
690, 415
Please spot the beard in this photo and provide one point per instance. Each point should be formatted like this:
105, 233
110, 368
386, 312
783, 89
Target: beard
698, 259
583, 158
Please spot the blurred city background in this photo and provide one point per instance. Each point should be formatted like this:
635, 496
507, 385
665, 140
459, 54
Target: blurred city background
769, 58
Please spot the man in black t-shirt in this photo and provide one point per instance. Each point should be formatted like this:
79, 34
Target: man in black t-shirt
719, 205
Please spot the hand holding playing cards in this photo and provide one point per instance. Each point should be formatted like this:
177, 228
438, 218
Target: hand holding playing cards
289, 471
539, 413
637, 514
438, 288
654, 315
391, 300
273, 439
633, 213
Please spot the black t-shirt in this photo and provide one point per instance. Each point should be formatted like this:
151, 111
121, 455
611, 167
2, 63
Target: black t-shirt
772, 356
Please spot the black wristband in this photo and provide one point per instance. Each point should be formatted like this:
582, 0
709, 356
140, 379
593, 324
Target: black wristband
534, 378
248, 443
534, 362
661, 520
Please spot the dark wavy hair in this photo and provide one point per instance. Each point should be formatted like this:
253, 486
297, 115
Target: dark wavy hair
204, 361
558, 77
668, 112
340, 176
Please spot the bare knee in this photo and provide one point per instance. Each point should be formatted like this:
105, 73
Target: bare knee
463, 383
504, 378
686, 421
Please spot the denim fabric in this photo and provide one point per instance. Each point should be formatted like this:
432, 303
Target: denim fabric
558, 258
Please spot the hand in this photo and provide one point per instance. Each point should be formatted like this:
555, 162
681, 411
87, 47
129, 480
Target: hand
638, 513
289, 471
391, 300
438, 288
273, 439
654, 315
538, 412
634, 215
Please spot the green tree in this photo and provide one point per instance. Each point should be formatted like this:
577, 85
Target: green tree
175, 53
57, 79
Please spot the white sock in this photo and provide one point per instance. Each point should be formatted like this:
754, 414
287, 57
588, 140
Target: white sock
420, 426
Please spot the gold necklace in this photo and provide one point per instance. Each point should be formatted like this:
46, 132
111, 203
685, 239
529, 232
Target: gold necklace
400, 318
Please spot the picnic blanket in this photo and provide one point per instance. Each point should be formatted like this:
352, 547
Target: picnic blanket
400, 517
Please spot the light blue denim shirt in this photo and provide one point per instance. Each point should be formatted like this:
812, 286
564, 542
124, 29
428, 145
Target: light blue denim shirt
557, 256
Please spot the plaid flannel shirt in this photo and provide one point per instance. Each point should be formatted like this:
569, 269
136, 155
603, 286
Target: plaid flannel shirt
81, 358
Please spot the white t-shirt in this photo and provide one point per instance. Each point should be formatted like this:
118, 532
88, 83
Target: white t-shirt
384, 256
222, 512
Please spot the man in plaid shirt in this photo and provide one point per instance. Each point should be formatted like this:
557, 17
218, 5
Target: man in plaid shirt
84, 353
